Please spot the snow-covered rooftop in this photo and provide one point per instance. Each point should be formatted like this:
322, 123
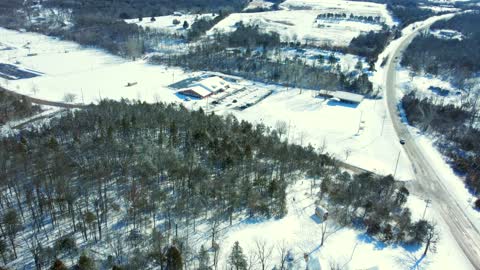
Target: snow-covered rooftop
212, 84
348, 96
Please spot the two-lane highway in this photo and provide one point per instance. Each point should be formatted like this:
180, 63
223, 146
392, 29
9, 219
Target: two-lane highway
428, 181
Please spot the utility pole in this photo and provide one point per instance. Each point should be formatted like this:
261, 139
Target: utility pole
427, 204
383, 123
360, 123
396, 165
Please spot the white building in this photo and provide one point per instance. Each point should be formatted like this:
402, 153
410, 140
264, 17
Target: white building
206, 87
213, 84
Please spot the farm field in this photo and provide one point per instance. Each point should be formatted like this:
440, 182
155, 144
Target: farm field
308, 29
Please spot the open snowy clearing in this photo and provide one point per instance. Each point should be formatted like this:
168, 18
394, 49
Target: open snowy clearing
339, 6
89, 74
165, 23
299, 25
298, 21
350, 133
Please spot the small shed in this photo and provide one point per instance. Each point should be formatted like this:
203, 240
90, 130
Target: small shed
348, 97
321, 213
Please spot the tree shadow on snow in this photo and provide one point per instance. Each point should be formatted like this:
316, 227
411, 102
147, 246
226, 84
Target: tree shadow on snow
316, 219
365, 238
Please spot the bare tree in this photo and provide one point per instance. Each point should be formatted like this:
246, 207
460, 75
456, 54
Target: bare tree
281, 127
282, 251
432, 238
69, 97
327, 229
264, 253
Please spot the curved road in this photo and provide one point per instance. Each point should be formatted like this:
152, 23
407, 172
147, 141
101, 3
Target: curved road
428, 181
43, 101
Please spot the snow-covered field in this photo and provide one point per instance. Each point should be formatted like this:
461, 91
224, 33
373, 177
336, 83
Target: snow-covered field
298, 21
90, 74
361, 135
165, 23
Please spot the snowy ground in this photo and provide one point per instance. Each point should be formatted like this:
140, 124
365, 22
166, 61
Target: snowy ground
300, 232
165, 23
256, 4
422, 85
298, 21
89, 74
360, 135
353, 134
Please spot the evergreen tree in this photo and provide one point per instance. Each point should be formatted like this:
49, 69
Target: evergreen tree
86, 263
58, 265
203, 259
237, 259
174, 259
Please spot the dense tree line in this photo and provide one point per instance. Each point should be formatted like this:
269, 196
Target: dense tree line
407, 11
258, 67
457, 129
130, 9
370, 45
14, 108
453, 59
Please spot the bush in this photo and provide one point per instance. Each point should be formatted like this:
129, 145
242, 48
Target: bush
58, 265
477, 204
